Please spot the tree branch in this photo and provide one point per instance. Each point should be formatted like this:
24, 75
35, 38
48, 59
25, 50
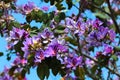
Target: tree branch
95, 6
99, 63
112, 16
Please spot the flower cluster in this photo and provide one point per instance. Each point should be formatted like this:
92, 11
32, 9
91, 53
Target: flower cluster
72, 61
92, 31
15, 36
107, 51
46, 45
26, 8
5, 75
14, 72
69, 42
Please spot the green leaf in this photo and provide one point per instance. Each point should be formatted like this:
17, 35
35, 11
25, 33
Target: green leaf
94, 68
62, 16
91, 48
71, 40
56, 18
80, 73
62, 72
15, 24
28, 18
69, 3
23, 72
114, 57
55, 71
51, 15
101, 15
59, 31
52, 2
18, 46
112, 27
60, 27
1, 53
35, 15
8, 56
99, 2
46, 1
45, 18
43, 71
117, 48
11, 71
26, 26
30, 59
56, 66
34, 31
60, 6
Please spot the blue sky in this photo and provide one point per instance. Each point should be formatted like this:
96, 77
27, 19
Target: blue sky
21, 18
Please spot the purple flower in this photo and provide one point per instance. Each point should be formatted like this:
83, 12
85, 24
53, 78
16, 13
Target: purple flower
59, 46
70, 23
111, 34
45, 8
27, 8
19, 61
6, 75
73, 61
54, 48
47, 34
31, 45
16, 35
102, 32
97, 37
109, 22
80, 28
92, 39
97, 23
107, 49
51, 51
89, 63
39, 55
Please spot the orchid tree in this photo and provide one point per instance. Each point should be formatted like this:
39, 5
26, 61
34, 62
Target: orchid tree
73, 45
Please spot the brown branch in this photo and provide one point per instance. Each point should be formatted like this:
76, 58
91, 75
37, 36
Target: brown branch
76, 7
112, 16
113, 71
95, 6
97, 62
79, 13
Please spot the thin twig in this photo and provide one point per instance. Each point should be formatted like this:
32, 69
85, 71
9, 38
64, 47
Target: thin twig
76, 7
108, 77
79, 13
